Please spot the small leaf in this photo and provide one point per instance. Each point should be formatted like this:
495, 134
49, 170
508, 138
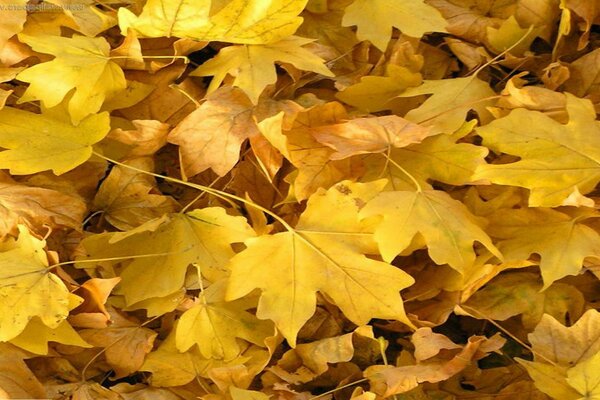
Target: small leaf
376, 18
253, 66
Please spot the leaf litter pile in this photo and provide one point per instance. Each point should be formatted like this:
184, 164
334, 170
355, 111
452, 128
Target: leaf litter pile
300, 199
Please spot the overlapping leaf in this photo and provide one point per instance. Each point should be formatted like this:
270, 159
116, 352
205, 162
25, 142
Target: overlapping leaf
82, 65
36, 142
28, 289
236, 21
329, 256
164, 248
448, 228
375, 19
253, 66
559, 162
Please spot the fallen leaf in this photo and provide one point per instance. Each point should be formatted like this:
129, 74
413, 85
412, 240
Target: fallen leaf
238, 21
82, 64
175, 242
28, 288
376, 18
552, 166
319, 255
128, 199
451, 99
253, 66
215, 325
369, 135
125, 343
561, 240
37, 207
448, 228
211, 136
37, 142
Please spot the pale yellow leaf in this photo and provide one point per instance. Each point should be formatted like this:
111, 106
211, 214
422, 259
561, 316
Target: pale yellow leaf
376, 18
36, 142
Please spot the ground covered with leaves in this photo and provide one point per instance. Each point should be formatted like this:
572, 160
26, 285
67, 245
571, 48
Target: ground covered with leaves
299, 199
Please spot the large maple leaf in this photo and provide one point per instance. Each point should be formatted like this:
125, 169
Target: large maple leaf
376, 18
562, 240
239, 21
326, 253
28, 289
82, 64
176, 241
566, 358
449, 229
36, 142
559, 162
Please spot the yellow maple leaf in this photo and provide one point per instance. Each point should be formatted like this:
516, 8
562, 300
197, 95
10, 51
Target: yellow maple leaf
585, 378
170, 367
325, 252
36, 336
561, 240
566, 358
37, 142
177, 241
376, 18
214, 325
253, 66
373, 93
451, 99
238, 21
81, 65
559, 162
449, 229
28, 289
438, 158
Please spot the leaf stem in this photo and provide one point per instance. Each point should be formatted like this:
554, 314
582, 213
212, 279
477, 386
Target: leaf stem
405, 172
96, 260
506, 332
506, 51
339, 388
215, 192
185, 59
